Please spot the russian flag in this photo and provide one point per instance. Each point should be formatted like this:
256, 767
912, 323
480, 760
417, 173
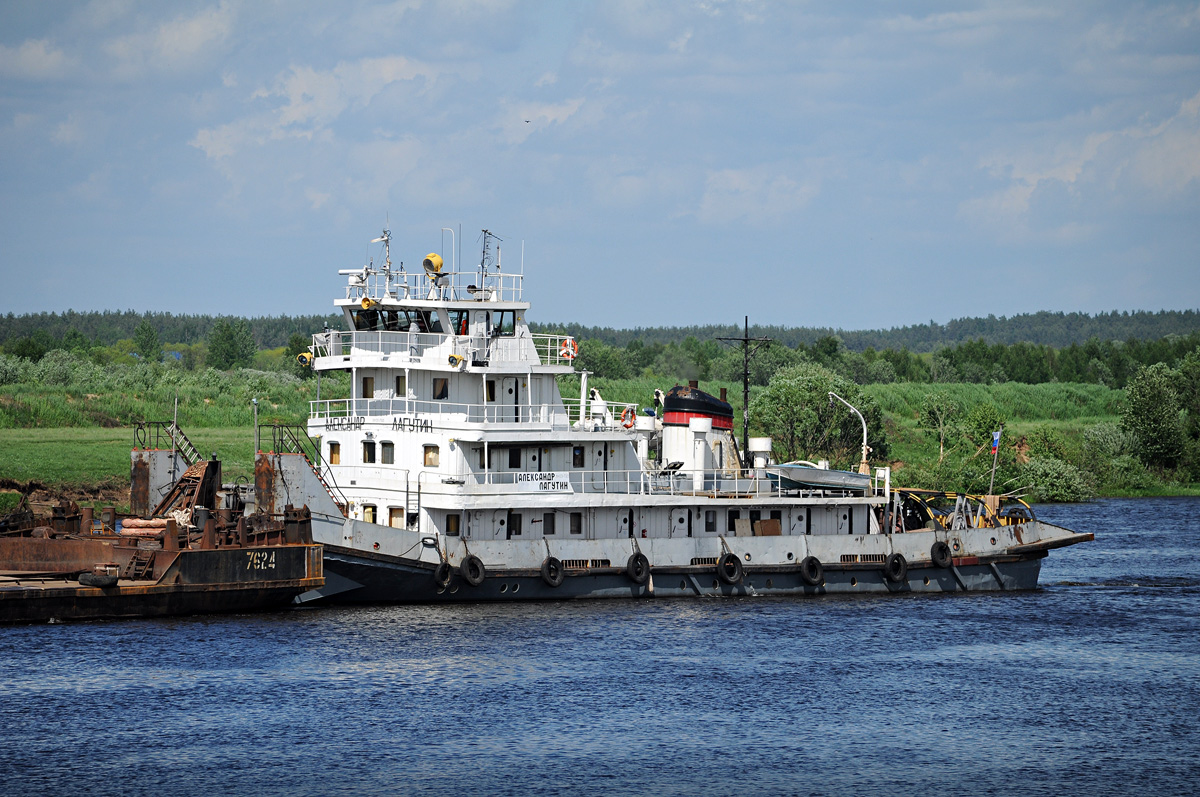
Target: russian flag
995, 442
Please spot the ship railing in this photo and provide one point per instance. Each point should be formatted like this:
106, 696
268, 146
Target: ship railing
711, 484
601, 415
400, 283
416, 346
411, 414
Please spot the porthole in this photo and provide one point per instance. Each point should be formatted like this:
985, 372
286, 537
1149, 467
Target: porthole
747, 557
927, 581
993, 540
454, 589
791, 556
716, 585
504, 588
377, 546
516, 587
854, 582
440, 590
956, 545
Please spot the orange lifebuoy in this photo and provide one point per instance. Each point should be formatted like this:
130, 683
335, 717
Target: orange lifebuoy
627, 417
569, 349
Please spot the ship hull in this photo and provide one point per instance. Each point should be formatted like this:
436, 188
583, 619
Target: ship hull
369, 578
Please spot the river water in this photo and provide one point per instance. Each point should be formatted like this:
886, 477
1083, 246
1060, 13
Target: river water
1090, 685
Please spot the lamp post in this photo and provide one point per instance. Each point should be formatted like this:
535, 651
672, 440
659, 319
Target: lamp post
255, 402
863, 467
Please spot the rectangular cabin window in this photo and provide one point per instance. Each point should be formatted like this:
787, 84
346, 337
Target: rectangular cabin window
368, 513
731, 523
577, 523
368, 387
514, 525
453, 519
431, 456
368, 452
777, 514
710, 520
458, 322
490, 390
396, 517
387, 453
482, 463
335, 453
441, 387
401, 386
577, 457
755, 516
548, 523
514, 458
505, 323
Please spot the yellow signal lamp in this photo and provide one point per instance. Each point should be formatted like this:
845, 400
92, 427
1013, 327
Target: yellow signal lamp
367, 303
305, 359
432, 264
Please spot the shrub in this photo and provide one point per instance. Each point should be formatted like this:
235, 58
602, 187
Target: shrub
1054, 480
13, 370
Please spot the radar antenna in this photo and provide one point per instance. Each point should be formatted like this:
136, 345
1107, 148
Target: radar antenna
487, 259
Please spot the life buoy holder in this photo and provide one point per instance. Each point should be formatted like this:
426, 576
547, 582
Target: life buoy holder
569, 349
627, 417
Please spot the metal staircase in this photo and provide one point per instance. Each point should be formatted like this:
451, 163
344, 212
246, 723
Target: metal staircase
295, 440
166, 435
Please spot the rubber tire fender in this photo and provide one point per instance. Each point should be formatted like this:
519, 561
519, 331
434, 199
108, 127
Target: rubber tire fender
940, 554
895, 569
811, 571
472, 570
552, 572
638, 568
729, 568
442, 574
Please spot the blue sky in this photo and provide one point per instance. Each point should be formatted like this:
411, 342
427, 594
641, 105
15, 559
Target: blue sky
808, 164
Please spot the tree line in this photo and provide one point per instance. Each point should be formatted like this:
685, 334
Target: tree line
1055, 329
1110, 363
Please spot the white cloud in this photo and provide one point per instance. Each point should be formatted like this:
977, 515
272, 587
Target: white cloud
68, 132
759, 194
680, 44
172, 46
34, 59
1138, 165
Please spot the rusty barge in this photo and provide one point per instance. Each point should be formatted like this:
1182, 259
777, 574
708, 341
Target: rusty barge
197, 551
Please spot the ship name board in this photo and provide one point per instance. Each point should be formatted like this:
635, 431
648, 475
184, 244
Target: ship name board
412, 425
543, 482
349, 423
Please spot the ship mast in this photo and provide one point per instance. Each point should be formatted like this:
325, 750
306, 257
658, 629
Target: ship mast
486, 259
747, 353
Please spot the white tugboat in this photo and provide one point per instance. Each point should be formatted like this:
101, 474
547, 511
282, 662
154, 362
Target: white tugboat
457, 471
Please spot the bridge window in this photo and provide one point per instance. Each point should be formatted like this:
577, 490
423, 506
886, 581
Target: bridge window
453, 519
387, 452
431, 456
368, 452
368, 390
335, 453
505, 322
441, 387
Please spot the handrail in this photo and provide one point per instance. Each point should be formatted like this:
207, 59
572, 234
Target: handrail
413, 413
546, 349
